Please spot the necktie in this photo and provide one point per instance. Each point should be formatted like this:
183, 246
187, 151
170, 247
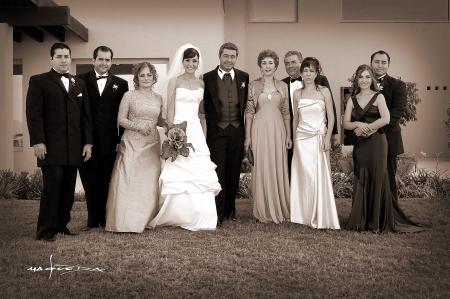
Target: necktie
227, 79
67, 75
102, 77
296, 79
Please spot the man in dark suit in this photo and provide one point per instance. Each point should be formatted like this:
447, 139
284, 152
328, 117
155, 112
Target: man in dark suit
105, 93
394, 91
60, 128
292, 62
225, 99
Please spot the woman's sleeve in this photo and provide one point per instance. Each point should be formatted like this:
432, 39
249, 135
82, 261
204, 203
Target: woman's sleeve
122, 117
284, 108
250, 108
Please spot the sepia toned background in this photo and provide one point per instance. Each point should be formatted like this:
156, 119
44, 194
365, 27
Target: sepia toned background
340, 33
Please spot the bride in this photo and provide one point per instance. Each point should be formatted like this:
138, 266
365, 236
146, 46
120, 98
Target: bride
188, 185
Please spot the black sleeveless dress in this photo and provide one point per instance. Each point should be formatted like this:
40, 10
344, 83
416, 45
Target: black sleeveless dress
373, 205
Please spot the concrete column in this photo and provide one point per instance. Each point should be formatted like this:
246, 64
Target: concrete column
6, 97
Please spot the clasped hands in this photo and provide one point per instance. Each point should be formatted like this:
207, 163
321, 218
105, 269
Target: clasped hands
363, 130
40, 150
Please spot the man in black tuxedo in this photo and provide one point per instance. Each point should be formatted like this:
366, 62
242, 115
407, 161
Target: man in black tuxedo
292, 62
60, 128
225, 98
105, 93
394, 91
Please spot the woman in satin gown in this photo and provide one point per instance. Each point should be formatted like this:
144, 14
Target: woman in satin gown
373, 206
133, 190
312, 197
189, 184
268, 136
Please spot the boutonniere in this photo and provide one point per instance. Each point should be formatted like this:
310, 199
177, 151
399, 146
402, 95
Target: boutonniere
243, 85
115, 87
380, 87
73, 81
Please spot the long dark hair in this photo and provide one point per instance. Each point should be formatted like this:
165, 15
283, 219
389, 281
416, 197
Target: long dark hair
312, 62
355, 89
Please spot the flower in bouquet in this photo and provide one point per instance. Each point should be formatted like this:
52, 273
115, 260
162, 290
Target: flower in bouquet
176, 142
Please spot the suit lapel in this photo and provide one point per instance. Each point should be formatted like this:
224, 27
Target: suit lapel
287, 80
109, 81
93, 83
241, 95
57, 79
212, 82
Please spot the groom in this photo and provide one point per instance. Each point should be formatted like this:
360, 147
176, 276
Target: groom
225, 98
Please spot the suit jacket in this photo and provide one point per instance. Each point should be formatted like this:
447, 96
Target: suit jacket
394, 91
322, 80
211, 99
59, 119
104, 109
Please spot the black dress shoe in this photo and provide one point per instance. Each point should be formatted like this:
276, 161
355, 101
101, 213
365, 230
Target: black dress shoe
66, 231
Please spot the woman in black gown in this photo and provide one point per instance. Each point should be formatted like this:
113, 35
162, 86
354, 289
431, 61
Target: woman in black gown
373, 207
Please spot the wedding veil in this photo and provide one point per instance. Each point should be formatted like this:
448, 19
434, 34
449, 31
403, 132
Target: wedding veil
176, 69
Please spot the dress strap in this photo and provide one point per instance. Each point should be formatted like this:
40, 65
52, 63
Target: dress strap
355, 102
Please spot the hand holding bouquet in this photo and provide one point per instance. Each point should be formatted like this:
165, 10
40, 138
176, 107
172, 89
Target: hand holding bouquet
176, 143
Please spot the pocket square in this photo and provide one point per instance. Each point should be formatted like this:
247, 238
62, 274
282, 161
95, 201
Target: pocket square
79, 95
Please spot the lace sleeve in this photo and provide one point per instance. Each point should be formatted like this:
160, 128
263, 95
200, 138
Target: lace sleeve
284, 107
124, 113
161, 120
250, 109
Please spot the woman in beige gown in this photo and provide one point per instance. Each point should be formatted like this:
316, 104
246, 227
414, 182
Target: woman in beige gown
268, 136
133, 191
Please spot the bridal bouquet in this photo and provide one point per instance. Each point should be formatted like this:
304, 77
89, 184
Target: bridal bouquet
176, 142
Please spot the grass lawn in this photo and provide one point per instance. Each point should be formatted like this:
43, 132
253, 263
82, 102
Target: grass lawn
241, 259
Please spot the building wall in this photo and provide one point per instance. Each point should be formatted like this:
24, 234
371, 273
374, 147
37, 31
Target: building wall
133, 29
154, 29
419, 53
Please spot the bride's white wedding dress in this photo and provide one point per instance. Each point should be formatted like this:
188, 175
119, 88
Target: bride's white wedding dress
189, 185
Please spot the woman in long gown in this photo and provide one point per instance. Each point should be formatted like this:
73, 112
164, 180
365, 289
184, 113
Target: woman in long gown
373, 207
312, 197
133, 190
188, 184
268, 136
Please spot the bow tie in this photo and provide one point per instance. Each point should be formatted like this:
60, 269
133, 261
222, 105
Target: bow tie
102, 77
296, 79
67, 75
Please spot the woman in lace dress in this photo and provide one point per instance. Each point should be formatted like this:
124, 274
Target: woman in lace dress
188, 184
133, 190
268, 135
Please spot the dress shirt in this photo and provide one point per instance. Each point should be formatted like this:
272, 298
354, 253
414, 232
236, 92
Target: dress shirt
101, 82
222, 72
292, 87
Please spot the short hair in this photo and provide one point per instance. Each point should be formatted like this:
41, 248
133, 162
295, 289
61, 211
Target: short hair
268, 53
229, 46
355, 89
294, 52
190, 53
312, 62
380, 52
103, 49
138, 67
56, 46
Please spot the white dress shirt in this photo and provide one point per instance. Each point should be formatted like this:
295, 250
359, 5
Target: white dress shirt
101, 82
292, 87
222, 73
